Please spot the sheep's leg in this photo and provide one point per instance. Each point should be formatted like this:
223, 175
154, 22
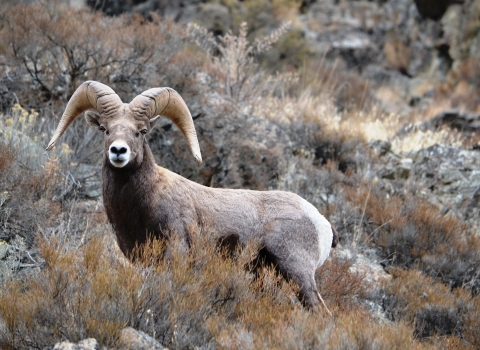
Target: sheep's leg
299, 271
308, 293
303, 274
228, 244
263, 259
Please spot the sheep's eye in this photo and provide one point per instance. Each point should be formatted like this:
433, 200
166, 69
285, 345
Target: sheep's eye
102, 128
143, 132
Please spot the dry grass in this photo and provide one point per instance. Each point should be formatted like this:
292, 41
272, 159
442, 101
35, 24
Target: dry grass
340, 286
67, 279
50, 46
198, 299
81, 287
415, 234
438, 313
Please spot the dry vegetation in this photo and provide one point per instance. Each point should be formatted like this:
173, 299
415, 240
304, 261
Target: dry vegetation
51, 47
62, 276
415, 234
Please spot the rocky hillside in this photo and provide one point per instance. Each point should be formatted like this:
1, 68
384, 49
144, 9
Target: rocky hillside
409, 52
368, 109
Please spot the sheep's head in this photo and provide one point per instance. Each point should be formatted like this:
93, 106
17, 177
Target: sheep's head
125, 125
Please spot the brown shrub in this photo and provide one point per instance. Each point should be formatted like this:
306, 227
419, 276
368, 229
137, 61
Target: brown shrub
43, 181
199, 298
443, 316
67, 302
88, 292
56, 49
414, 233
460, 88
468, 70
29, 196
412, 291
471, 321
397, 51
348, 91
6, 158
234, 63
339, 286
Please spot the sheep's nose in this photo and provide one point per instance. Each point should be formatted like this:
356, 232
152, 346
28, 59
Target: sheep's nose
118, 150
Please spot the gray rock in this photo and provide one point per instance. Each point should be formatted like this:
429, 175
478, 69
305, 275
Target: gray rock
449, 177
131, 339
381, 147
404, 168
354, 46
366, 262
455, 119
86, 344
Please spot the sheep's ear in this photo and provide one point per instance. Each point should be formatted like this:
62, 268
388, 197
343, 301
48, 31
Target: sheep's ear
154, 121
92, 118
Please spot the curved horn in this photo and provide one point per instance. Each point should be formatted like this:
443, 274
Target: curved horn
167, 102
91, 94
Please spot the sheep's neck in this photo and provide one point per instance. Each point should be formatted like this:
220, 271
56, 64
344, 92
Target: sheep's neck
127, 197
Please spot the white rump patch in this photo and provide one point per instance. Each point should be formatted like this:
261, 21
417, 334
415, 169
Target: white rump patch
323, 228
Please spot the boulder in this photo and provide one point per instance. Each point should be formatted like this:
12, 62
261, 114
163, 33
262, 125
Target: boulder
446, 176
86, 344
131, 339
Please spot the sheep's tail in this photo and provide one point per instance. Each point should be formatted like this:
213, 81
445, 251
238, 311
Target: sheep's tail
325, 305
335, 237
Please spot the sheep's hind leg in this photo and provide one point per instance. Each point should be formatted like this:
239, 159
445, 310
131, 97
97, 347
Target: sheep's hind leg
308, 293
302, 273
298, 270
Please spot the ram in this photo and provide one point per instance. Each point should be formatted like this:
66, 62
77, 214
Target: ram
142, 198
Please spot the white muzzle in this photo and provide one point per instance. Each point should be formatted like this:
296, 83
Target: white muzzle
119, 154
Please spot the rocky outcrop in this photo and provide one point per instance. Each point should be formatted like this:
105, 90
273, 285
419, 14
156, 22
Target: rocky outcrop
450, 178
413, 46
447, 176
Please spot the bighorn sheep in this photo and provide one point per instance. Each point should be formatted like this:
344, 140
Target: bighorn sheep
142, 198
